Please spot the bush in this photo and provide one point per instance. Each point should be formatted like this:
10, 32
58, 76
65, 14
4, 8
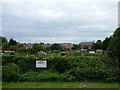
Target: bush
10, 72
46, 76
60, 64
64, 68
29, 76
25, 63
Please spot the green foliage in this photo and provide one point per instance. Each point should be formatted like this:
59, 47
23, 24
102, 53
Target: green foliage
10, 72
23, 50
30, 51
41, 54
60, 68
76, 47
98, 45
13, 48
45, 76
29, 76
58, 63
76, 53
25, 63
106, 43
3, 43
38, 47
56, 47
12, 42
5, 46
3, 40
114, 46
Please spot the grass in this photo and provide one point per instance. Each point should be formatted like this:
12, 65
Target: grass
59, 85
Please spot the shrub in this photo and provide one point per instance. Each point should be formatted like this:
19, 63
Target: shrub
25, 63
10, 72
64, 68
46, 76
29, 76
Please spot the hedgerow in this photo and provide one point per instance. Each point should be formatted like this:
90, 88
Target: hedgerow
75, 68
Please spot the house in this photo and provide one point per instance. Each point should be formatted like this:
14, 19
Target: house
28, 45
67, 45
8, 52
86, 44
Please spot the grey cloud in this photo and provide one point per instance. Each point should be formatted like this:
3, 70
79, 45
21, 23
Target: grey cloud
79, 20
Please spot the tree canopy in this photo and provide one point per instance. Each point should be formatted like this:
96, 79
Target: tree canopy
97, 45
56, 47
12, 42
114, 46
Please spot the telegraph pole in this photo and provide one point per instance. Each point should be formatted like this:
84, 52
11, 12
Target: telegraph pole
119, 14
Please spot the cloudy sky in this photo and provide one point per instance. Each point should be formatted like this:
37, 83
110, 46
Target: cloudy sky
56, 21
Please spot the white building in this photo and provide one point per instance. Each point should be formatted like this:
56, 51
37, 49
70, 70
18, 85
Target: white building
91, 52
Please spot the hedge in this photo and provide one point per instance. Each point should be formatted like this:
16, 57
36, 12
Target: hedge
75, 68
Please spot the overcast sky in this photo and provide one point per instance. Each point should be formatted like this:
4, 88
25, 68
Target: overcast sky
56, 21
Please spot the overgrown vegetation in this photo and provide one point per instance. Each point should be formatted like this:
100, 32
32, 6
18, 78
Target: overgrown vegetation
73, 67
77, 68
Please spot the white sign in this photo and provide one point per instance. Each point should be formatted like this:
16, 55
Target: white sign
41, 64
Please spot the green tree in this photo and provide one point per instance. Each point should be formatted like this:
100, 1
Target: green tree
98, 45
5, 46
106, 42
3, 42
3, 39
76, 47
23, 50
99, 41
56, 47
10, 72
31, 51
13, 48
38, 47
12, 42
114, 46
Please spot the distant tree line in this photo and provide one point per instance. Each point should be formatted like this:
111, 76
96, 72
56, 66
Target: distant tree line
111, 45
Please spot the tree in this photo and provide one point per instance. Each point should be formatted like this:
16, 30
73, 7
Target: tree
12, 42
76, 47
3, 40
97, 45
106, 42
56, 47
5, 46
114, 46
3, 43
23, 50
13, 48
99, 41
38, 47
10, 72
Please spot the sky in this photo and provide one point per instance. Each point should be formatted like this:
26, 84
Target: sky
58, 21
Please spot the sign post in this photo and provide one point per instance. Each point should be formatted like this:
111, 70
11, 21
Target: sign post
119, 14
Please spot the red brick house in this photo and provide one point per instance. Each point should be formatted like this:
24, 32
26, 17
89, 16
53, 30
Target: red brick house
67, 45
28, 45
86, 44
